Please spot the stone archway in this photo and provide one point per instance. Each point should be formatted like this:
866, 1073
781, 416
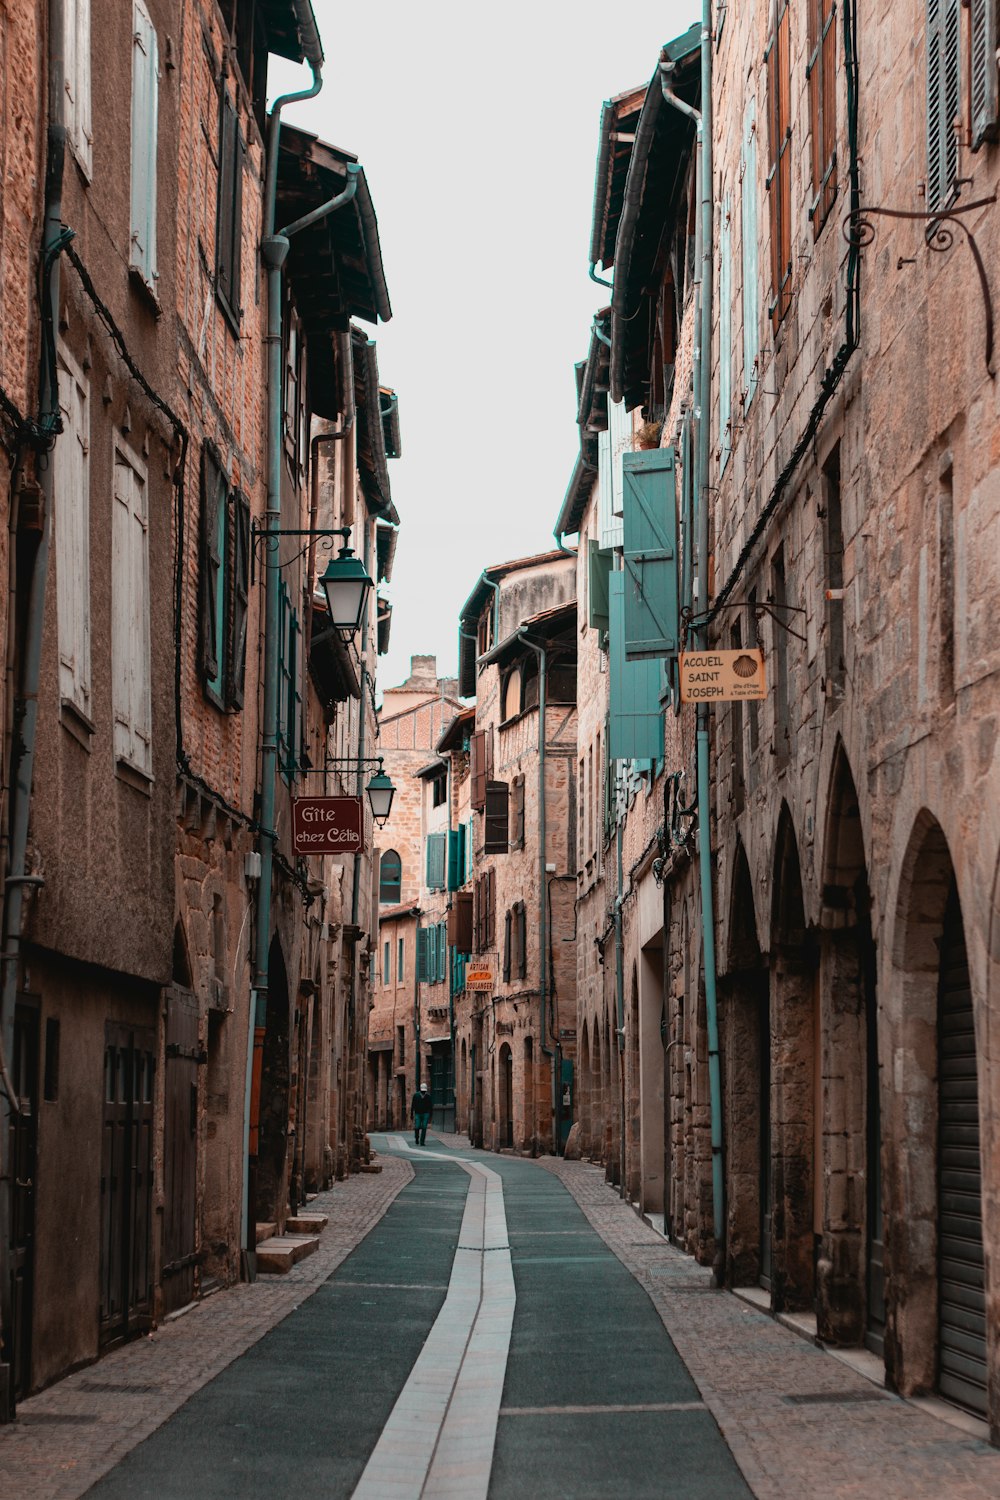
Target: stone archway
850, 1302
505, 1099
746, 1060
935, 1318
584, 1091
796, 1216
633, 1115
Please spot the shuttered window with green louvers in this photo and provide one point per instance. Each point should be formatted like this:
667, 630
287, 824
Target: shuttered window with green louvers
423, 951
650, 590
599, 560
456, 857
436, 852
943, 99
636, 720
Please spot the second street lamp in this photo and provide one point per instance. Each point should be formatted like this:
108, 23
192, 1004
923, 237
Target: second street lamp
380, 794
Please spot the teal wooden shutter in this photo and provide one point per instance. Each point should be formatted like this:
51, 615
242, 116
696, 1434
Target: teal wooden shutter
751, 274
726, 332
212, 570
442, 951
423, 946
436, 852
983, 70
145, 70
241, 596
599, 560
636, 723
652, 624
456, 857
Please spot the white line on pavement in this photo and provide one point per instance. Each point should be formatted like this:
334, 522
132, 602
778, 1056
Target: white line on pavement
438, 1442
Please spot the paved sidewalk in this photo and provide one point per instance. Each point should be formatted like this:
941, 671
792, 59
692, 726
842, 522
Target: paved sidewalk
799, 1423
69, 1435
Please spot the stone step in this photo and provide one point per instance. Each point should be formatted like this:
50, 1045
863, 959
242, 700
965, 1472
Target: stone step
306, 1223
265, 1231
282, 1252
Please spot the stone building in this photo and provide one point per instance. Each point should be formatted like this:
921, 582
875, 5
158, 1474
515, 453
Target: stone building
518, 659
852, 485
409, 1032
160, 993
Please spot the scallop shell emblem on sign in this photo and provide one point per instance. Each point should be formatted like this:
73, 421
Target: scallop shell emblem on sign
745, 666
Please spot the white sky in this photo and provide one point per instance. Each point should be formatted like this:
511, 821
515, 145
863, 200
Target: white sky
477, 130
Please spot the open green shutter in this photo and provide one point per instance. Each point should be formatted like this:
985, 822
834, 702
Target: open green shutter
651, 621
456, 857
423, 944
636, 723
436, 851
599, 560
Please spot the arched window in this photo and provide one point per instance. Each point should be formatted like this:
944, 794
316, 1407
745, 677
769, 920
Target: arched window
390, 877
511, 694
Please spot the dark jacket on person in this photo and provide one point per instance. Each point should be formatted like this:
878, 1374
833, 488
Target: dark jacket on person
420, 1104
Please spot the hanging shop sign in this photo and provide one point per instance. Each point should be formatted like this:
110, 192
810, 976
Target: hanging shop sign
478, 978
328, 825
722, 676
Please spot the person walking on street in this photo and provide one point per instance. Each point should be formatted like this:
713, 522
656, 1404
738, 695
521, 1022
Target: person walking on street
420, 1109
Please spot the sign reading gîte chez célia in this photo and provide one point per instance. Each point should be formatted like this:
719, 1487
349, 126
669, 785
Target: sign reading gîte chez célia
328, 825
722, 676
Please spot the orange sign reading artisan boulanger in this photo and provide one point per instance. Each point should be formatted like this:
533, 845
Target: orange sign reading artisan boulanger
722, 676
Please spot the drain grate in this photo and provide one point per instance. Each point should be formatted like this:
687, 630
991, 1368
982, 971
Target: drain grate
835, 1398
110, 1388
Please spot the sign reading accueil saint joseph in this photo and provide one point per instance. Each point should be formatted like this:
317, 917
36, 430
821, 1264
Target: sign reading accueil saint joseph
722, 676
328, 825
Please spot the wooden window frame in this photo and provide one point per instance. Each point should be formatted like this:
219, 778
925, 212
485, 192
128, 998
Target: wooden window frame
821, 79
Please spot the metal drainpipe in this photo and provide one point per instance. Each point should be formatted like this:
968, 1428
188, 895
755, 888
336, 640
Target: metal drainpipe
22, 765
416, 1007
543, 924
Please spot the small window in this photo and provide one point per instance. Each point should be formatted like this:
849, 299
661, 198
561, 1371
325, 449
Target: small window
439, 789
390, 877
511, 694
400, 966
386, 962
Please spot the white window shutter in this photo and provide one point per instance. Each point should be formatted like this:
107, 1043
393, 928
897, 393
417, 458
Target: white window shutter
72, 528
130, 645
76, 46
726, 331
748, 230
145, 71
620, 429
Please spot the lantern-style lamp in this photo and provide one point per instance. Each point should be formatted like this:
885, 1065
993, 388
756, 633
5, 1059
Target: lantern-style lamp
380, 794
346, 584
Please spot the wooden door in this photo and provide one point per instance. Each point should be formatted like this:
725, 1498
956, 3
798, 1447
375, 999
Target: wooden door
23, 1156
126, 1182
180, 1150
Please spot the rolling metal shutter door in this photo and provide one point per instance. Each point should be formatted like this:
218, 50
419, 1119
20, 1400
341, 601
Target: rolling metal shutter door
962, 1365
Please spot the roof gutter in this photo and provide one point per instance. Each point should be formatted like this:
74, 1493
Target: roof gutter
309, 40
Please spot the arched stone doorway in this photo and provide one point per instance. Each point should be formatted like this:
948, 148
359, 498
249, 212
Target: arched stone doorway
746, 1067
272, 1130
505, 1089
796, 1213
936, 1312
850, 1278
584, 1092
633, 1098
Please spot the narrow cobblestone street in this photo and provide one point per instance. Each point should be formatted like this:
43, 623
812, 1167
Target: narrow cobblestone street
387, 1363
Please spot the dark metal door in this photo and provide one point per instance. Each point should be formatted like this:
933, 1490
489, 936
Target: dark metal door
180, 1150
22, 1156
442, 1087
766, 1171
962, 1300
126, 1181
506, 1097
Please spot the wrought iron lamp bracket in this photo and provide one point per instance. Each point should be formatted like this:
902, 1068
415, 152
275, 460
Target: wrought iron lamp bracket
265, 539
939, 235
